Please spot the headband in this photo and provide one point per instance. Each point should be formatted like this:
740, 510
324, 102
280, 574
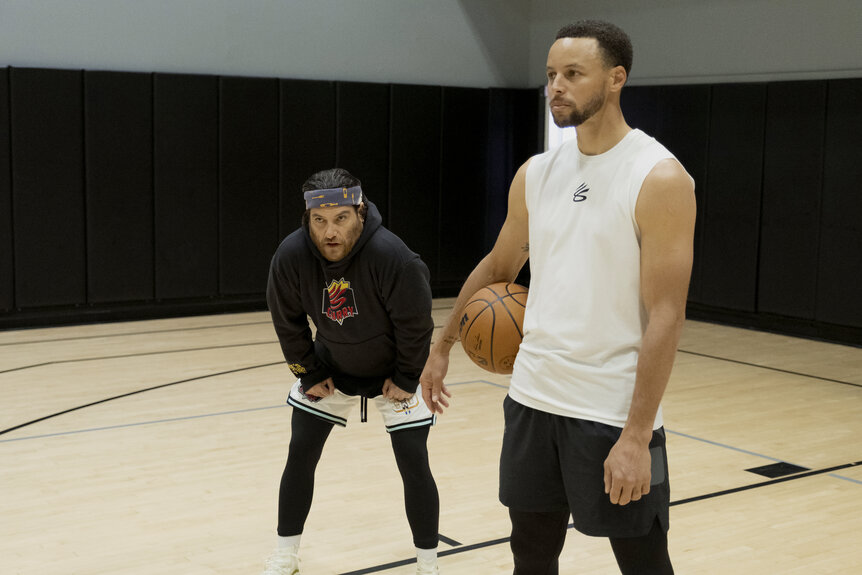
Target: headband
332, 197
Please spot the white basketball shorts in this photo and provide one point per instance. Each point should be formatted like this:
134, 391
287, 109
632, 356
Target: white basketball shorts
335, 408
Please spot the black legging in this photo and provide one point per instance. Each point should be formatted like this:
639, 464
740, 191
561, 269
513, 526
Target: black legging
309, 434
537, 540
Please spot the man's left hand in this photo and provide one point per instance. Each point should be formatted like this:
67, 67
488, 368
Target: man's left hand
393, 392
627, 471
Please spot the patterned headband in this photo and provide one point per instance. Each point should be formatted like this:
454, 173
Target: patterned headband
332, 197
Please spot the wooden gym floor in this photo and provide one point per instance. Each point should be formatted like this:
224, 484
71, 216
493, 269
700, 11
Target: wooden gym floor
156, 447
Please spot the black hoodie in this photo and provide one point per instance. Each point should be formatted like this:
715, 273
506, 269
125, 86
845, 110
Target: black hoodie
371, 310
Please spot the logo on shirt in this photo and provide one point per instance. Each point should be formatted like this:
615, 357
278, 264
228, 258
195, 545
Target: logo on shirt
297, 369
579, 193
338, 301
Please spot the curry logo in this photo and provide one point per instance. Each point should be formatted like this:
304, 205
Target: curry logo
579, 193
338, 301
296, 368
405, 406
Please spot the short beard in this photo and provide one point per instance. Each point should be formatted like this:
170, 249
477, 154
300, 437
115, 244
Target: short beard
578, 117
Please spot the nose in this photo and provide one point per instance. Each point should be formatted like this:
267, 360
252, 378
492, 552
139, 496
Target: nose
330, 232
554, 86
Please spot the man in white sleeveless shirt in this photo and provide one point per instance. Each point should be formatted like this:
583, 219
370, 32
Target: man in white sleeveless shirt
607, 222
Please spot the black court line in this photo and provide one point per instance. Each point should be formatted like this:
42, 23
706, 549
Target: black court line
766, 483
394, 564
59, 413
160, 386
447, 541
141, 354
132, 333
142, 423
491, 543
778, 369
98, 358
103, 357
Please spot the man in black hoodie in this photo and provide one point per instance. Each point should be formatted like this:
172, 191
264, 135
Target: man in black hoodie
370, 301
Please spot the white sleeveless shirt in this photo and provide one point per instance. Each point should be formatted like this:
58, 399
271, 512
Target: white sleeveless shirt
585, 319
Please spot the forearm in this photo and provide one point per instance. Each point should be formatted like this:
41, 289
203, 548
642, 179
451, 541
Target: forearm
294, 333
484, 274
655, 363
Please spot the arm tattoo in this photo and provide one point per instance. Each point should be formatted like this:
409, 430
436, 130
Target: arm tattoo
450, 339
526, 248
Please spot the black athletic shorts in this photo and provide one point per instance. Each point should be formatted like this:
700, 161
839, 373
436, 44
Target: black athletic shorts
555, 463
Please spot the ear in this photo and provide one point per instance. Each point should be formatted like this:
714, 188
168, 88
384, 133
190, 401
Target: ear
617, 78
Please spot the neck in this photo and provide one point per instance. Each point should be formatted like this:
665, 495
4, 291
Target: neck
603, 131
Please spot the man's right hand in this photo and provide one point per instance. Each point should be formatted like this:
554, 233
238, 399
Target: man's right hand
434, 391
323, 389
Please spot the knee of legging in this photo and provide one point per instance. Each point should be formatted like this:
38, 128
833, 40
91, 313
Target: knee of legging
538, 528
410, 446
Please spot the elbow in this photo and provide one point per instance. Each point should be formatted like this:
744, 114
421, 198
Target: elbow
669, 317
500, 270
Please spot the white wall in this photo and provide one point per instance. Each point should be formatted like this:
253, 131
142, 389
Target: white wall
480, 43
696, 41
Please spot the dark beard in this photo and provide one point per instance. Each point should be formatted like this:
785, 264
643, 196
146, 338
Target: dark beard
578, 117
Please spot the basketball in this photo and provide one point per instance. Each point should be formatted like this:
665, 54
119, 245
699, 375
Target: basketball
492, 326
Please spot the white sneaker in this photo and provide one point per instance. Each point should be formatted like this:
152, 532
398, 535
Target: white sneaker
283, 562
423, 568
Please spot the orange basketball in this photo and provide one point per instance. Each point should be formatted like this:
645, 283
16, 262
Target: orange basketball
492, 326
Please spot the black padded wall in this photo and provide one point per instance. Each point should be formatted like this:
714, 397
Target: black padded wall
48, 187
362, 141
186, 185
683, 128
414, 177
640, 105
463, 183
514, 118
679, 118
248, 183
792, 166
170, 192
118, 123
733, 190
307, 134
7, 277
839, 289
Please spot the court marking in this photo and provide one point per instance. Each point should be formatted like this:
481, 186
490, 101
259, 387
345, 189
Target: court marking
98, 358
160, 386
141, 354
141, 423
173, 419
778, 369
133, 333
465, 548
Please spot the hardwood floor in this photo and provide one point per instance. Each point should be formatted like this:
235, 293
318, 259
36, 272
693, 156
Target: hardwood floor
157, 447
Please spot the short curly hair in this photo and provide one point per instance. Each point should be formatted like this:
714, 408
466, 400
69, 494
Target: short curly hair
615, 44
